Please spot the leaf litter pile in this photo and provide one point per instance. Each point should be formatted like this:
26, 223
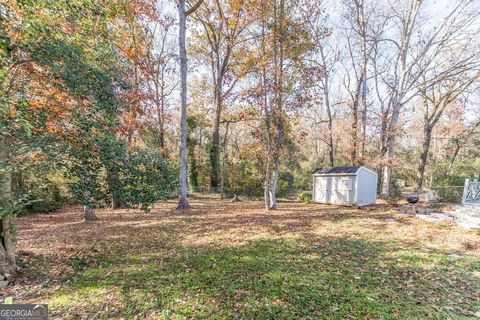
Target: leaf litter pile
234, 260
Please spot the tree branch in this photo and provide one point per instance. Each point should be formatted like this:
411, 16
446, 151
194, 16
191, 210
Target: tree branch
194, 8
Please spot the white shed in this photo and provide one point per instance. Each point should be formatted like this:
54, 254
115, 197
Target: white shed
355, 185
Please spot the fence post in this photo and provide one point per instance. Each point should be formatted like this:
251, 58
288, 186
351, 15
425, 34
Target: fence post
465, 191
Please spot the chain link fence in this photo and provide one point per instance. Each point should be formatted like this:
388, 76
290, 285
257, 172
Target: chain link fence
254, 193
450, 194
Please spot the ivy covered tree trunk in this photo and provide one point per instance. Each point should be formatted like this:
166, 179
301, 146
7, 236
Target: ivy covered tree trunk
112, 180
8, 247
223, 182
192, 165
88, 185
215, 147
7, 228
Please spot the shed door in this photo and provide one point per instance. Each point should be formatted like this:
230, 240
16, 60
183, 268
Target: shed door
323, 189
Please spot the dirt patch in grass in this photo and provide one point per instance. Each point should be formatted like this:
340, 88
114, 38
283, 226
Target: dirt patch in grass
229, 260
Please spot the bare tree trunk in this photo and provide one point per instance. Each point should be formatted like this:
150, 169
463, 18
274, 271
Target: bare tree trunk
278, 107
392, 132
182, 27
354, 131
160, 104
398, 92
427, 138
364, 116
331, 150
383, 150
454, 156
266, 188
273, 184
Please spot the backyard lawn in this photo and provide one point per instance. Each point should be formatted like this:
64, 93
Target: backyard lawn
224, 260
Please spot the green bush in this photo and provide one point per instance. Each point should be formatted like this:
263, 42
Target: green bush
285, 183
46, 198
449, 188
305, 197
451, 194
449, 180
38, 190
148, 178
395, 192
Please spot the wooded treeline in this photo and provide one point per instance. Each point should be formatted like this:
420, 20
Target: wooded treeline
111, 102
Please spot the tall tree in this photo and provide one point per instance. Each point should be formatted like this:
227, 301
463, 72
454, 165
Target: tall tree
182, 30
320, 66
223, 38
277, 112
413, 57
8, 65
436, 98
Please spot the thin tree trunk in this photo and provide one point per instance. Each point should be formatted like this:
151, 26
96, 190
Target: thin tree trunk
354, 130
160, 102
331, 150
182, 27
454, 157
359, 99
224, 162
215, 147
364, 117
273, 185
266, 189
278, 107
387, 172
326, 91
383, 151
427, 138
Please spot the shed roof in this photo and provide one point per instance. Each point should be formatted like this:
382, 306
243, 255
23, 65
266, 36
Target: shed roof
337, 170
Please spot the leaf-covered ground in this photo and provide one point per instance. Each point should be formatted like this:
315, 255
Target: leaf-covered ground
225, 260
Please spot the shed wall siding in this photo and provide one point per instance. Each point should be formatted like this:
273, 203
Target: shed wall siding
366, 187
346, 189
334, 189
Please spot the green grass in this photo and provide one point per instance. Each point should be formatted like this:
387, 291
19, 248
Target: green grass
281, 279
234, 261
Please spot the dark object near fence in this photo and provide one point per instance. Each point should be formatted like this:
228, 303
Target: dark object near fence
413, 201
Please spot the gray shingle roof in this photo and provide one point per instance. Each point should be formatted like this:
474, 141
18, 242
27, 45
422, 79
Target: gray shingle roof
332, 170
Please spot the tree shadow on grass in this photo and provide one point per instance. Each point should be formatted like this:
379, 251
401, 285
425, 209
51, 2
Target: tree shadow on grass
291, 278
